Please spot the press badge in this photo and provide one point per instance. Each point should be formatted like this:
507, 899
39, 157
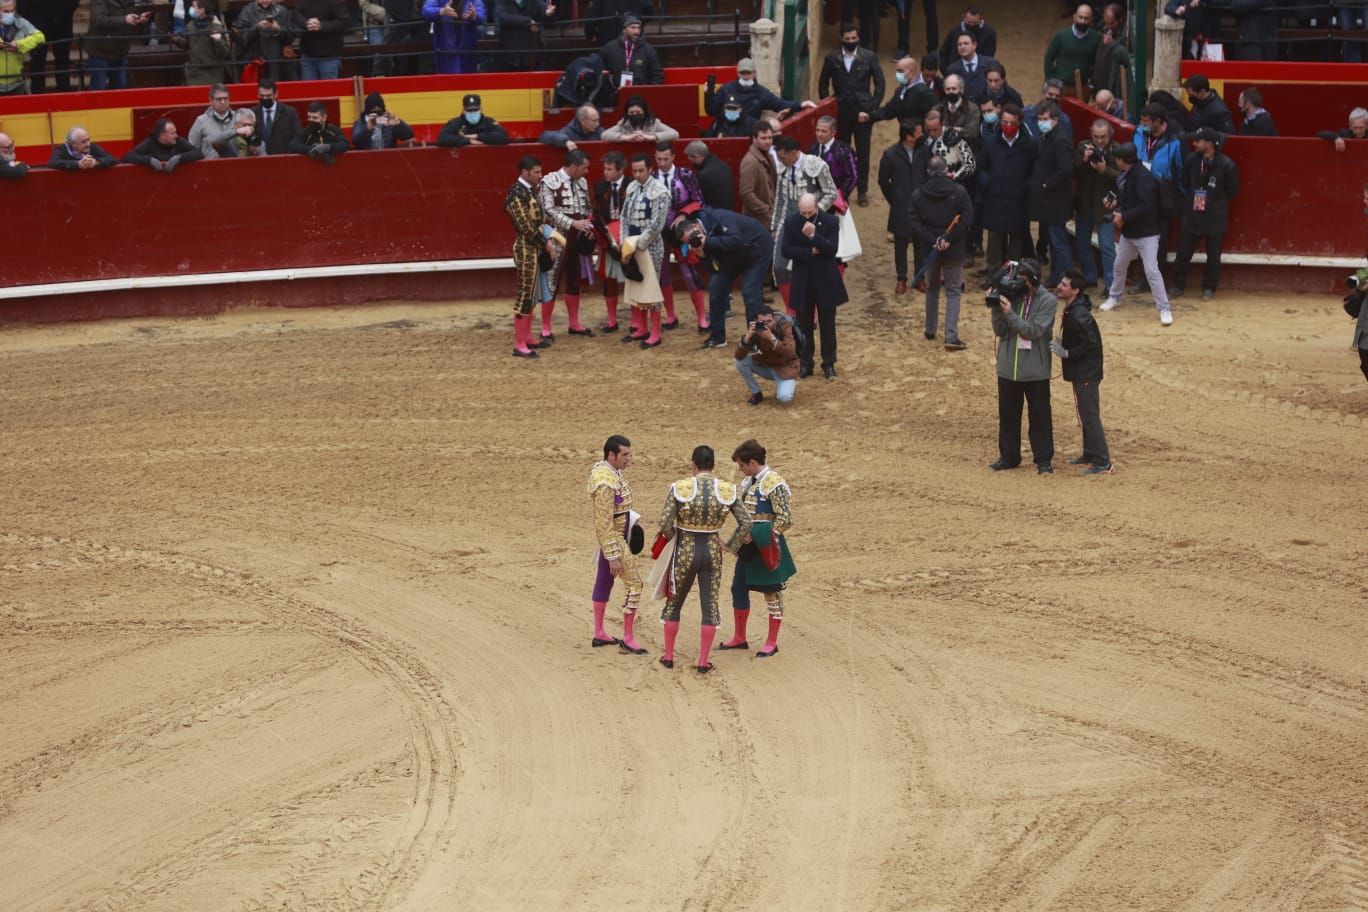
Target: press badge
1023, 344
1199, 201
625, 81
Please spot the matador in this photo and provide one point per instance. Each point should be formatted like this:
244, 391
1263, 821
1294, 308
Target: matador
764, 563
619, 539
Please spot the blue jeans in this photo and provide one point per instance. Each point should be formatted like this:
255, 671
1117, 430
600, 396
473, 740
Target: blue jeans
107, 74
749, 370
1084, 228
1353, 17
752, 291
319, 67
1061, 252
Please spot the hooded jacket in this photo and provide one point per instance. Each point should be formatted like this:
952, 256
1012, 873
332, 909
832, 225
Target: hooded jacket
1029, 323
25, 37
1083, 341
934, 205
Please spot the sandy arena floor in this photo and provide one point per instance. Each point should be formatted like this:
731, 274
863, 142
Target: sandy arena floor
294, 615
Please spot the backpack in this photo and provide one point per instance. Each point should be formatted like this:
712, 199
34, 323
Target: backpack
586, 81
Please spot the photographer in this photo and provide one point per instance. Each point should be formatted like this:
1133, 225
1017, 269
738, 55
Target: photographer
1023, 318
245, 141
263, 33
770, 350
377, 128
319, 139
1095, 174
1079, 348
733, 246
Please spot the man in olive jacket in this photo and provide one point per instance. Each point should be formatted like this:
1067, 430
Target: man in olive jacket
1023, 332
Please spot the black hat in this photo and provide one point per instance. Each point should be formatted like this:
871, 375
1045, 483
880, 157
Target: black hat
731, 101
375, 102
1206, 133
1126, 152
630, 19
471, 102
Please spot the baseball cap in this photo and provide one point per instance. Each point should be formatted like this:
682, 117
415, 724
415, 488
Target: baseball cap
471, 102
731, 101
745, 65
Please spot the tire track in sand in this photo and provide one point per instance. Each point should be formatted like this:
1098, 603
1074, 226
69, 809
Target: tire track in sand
430, 719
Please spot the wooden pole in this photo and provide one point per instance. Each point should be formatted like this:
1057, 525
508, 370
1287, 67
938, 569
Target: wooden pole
1125, 92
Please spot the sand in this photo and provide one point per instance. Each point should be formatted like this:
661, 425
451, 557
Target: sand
294, 615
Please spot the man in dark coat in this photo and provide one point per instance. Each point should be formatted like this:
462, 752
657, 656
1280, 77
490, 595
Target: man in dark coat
1137, 215
321, 26
78, 153
319, 139
604, 19
853, 74
277, 122
715, 179
1208, 108
984, 35
971, 65
1255, 121
54, 19
263, 29
1050, 201
113, 26
1210, 182
935, 206
749, 94
1005, 165
910, 101
1079, 349
520, 32
901, 171
586, 125
631, 59
163, 150
473, 127
733, 246
809, 238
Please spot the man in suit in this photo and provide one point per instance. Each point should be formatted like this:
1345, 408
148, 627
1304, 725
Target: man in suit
901, 171
78, 153
910, 101
277, 122
971, 66
840, 158
985, 36
733, 246
854, 76
715, 179
809, 238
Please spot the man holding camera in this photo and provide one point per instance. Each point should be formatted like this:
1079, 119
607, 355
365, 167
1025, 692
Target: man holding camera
263, 33
377, 128
769, 349
1079, 347
1095, 172
1023, 320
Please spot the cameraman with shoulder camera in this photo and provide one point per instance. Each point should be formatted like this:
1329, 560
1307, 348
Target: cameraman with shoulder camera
769, 349
1023, 317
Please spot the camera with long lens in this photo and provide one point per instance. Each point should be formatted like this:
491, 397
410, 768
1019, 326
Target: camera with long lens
1013, 282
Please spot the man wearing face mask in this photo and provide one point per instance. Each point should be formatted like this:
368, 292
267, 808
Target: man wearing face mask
958, 112
910, 101
17, 37
749, 94
854, 75
970, 66
319, 139
731, 122
472, 128
1005, 165
277, 122
1073, 49
1050, 201
1050, 93
263, 30
1208, 108
972, 24
208, 47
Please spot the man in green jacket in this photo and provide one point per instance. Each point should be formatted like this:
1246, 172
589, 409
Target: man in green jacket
1023, 319
1073, 48
17, 37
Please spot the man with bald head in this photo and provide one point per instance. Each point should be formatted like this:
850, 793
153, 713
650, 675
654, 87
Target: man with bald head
809, 238
1106, 102
910, 101
584, 127
11, 168
78, 153
1073, 49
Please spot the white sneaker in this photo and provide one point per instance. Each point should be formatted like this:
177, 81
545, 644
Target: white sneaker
1110, 303
1165, 318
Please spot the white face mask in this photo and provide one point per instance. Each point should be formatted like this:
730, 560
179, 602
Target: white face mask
746, 83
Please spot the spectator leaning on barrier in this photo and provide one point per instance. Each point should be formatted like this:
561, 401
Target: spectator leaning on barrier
715, 180
1210, 181
758, 176
319, 139
11, 168
78, 153
1095, 175
749, 94
1073, 50
472, 128
631, 59
1357, 129
263, 33
277, 122
902, 169
113, 26
583, 127
245, 141
1208, 108
456, 28
1255, 120
378, 128
54, 19
163, 150
854, 76
215, 126
208, 47
322, 27
731, 122
18, 36
639, 124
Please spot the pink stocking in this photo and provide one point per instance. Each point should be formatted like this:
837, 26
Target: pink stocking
572, 302
547, 307
705, 644
629, 630
671, 632
740, 636
599, 632
655, 327
700, 309
668, 292
772, 641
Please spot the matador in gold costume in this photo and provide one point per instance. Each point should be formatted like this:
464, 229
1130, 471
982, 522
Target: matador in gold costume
763, 564
695, 510
611, 498
529, 242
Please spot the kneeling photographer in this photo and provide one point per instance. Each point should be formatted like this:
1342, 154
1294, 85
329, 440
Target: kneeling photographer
1023, 318
769, 349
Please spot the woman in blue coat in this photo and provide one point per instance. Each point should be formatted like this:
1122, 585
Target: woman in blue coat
455, 32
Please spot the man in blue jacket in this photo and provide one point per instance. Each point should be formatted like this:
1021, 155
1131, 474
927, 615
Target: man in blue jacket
732, 245
752, 96
809, 238
1156, 142
1137, 215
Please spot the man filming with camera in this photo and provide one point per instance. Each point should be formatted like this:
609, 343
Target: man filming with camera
1023, 318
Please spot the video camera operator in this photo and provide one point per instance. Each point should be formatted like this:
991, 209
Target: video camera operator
1023, 318
769, 349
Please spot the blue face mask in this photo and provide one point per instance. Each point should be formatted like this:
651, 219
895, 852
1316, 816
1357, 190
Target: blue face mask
472, 117
1045, 126
990, 117
901, 77
732, 115
7, 18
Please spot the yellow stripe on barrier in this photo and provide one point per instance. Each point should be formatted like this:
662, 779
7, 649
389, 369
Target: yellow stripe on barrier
103, 124
504, 105
27, 129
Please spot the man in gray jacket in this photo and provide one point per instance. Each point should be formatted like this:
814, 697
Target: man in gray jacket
1023, 319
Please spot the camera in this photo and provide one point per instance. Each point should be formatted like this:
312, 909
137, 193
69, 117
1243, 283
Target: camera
1354, 282
1095, 156
1110, 199
1013, 282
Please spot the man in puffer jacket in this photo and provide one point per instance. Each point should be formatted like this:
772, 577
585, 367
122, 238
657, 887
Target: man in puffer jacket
1023, 319
1079, 348
18, 36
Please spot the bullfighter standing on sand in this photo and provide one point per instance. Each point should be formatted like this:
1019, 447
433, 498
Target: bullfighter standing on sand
615, 525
